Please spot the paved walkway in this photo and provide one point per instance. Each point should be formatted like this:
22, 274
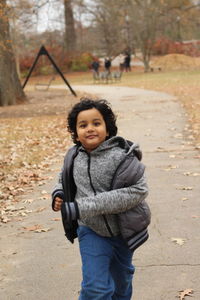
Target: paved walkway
46, 267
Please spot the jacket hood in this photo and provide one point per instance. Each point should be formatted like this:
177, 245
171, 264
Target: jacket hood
130, 147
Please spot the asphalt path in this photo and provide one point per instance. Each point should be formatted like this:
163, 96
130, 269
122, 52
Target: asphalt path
45, 266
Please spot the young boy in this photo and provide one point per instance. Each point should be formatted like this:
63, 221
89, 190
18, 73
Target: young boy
101, 192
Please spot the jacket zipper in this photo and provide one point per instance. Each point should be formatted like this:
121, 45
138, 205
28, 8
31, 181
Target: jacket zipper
104, 217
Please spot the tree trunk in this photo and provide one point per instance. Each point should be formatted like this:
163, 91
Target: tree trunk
70, 34
10, 87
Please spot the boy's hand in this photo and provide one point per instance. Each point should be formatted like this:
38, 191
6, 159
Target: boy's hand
57, 204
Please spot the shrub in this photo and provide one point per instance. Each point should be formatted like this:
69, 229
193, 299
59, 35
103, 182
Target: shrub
65, 62
164, 46
78, 66
82, 62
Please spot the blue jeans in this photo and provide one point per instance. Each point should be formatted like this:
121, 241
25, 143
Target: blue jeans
106, 267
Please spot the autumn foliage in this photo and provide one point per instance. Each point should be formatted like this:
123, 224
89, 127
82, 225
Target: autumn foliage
76, 62
164, 46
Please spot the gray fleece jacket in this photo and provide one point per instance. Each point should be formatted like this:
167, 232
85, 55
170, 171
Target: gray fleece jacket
99, 204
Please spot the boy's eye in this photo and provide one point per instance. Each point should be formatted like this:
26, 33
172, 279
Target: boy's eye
82, 126
97, 123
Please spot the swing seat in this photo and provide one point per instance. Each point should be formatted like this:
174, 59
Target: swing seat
44, 86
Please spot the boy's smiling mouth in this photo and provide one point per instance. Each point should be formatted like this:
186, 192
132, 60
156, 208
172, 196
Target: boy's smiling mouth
91, 136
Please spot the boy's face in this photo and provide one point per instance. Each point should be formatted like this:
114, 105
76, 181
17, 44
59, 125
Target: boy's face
91, 129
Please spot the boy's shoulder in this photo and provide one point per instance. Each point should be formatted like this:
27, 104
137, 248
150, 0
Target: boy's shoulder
71, 152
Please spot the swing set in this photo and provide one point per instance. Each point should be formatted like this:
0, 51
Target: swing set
45, 86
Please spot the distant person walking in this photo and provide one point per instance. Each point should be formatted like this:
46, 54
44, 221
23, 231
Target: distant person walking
107, 64
95, 67
127, 62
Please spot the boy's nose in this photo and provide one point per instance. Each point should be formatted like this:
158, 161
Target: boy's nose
90, 128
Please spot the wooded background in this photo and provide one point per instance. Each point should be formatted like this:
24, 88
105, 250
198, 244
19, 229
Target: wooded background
77, 31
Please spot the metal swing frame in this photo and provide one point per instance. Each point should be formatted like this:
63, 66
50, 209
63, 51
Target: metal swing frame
43, 51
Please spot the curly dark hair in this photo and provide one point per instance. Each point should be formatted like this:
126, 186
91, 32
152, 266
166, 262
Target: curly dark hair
103, 106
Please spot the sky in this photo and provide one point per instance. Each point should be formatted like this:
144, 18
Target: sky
50, 17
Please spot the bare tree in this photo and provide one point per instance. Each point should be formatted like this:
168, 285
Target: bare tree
108, 22
20, 17
136, 24
70, 34
181, 19
145, 18
10, 86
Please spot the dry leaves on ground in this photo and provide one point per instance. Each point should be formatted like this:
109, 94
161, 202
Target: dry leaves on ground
30, 144
37, 228
9, 212
28, 149
187, 292
184, 188
178, 241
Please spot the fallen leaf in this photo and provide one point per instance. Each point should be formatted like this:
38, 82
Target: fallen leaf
187, 173
184, 199
33, 228
12, 208
196, 174
178, 136
20, 190
43, 192
184, 293
5, 219
185, 188
37, 228
160, 149
45, 197
191, 174
25, 212
56, 219
41, 183
170, 167
178, 241
28, 201
40, 209
42, 230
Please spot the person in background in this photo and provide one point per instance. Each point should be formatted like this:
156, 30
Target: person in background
95, 67
127, 62
107, 64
